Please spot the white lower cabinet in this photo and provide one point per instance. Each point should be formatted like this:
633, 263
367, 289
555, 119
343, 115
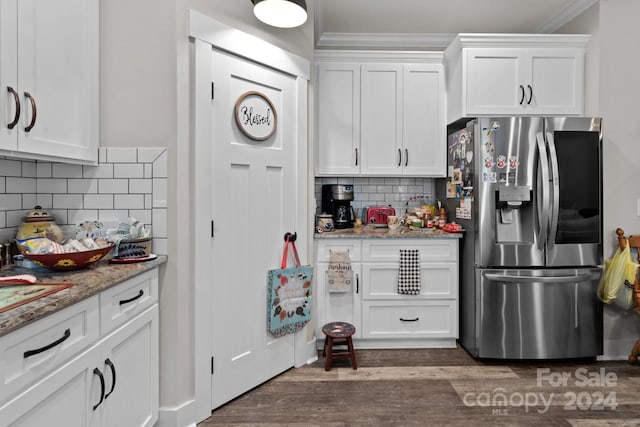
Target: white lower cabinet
97, 386
383, 317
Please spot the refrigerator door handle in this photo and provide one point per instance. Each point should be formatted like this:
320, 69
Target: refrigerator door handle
543, 279
543, 209
555, 182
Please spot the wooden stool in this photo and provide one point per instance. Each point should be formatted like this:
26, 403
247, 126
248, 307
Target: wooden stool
338, 334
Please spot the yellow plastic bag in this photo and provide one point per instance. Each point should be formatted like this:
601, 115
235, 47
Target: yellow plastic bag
625, 299
615, 274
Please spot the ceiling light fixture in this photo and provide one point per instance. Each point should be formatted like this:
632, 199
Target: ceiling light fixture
281, 13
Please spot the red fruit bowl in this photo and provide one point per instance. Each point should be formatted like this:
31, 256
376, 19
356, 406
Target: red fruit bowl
69, 260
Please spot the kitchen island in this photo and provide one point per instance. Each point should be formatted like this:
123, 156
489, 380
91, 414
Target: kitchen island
385, 316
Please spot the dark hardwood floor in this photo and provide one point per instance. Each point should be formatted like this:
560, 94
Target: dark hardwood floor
441, 387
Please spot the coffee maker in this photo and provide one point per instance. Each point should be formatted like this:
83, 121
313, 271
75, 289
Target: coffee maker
336, 200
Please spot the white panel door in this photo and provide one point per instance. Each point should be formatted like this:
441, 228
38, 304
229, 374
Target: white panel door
253, 206
381, 119
58, 77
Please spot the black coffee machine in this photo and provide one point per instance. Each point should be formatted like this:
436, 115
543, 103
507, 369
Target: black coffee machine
336, 200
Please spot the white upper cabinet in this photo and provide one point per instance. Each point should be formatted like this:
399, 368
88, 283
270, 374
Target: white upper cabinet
49, 79
515, 75
380, 114
338, 101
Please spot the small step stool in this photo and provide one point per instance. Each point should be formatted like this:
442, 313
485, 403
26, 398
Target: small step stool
338, 334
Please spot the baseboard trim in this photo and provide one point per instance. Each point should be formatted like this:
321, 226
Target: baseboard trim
179, 416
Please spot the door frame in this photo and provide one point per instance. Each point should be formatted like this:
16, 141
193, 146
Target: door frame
207, 33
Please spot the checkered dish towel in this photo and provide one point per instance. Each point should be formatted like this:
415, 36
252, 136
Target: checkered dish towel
409, 274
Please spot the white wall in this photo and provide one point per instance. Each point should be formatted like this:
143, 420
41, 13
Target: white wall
145, 87
612, 93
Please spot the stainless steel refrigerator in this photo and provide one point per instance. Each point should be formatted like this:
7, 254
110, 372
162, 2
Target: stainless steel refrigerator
528, 192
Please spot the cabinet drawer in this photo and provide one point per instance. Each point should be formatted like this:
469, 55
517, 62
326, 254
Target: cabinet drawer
31, 352
352, 245
430, 249
438, 280
415, 319
126, 300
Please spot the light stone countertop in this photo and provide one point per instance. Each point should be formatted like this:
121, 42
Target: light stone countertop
402, 232
88, 282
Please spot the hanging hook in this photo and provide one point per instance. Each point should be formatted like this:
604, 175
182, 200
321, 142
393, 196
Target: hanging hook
288, 237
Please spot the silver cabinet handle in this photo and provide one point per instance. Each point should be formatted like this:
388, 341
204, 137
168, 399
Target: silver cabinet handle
542, 279
34, 112
16, 100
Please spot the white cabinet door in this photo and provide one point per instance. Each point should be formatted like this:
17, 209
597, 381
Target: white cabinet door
381, 119
130, 367
423, 121
556, 79
338, 141
524, 81
49, 106
337, 306
494, 81
67, 397
58, 78
9, 97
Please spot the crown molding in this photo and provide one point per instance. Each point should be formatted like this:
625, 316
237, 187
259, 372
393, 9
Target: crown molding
384, 41
572, 10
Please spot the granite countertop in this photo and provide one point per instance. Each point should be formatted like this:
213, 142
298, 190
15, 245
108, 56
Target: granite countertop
88, 282
402, 232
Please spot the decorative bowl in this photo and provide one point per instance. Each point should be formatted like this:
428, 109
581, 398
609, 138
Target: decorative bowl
68, 260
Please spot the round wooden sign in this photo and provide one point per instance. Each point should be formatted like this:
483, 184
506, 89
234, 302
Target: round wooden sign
255, 115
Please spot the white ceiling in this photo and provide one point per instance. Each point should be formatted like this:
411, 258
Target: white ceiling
429, 24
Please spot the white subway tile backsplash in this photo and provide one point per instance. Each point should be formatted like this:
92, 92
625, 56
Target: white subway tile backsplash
160, 166
44, 170
159, 246
102, 155
10, 167
14, 218
20, 185
140, 186
160, 192
111, 217
142, 215
113, 186
148, 201
60, 215
29, 169
29, 201
44, 200
128, 170
122, 155
82, 186
10, 202
148, 170
3, 180
67, 201
149, 154
98, 201
103, 170
76, 216
51, 185
128, 201
63, 170
159, 222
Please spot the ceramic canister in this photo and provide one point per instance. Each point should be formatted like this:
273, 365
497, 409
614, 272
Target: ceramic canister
325, 222
38, 223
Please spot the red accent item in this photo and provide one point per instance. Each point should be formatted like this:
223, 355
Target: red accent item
378, 214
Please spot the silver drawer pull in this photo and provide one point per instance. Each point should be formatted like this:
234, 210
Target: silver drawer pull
409, 320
